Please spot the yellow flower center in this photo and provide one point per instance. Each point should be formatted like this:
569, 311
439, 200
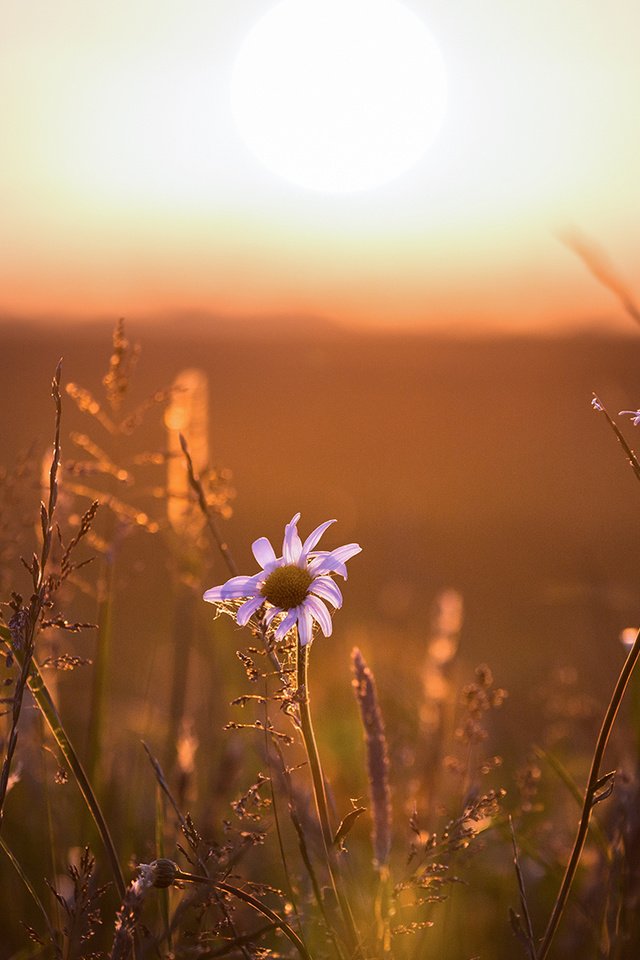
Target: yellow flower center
286, 587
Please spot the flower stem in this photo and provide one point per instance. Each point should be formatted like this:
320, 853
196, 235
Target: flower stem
596, 784
320, 796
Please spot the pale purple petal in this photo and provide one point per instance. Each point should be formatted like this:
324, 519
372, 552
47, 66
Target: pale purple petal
292, 544
271, 613
305, 625
346, 552
248, 608
326, 564
234, 589
320, 613
263, 552
326, 588
285, 625
333, 561
313, 538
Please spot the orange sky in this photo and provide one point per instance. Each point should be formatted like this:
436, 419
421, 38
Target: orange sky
127, 189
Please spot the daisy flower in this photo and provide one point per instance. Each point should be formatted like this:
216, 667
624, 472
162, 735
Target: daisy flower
634, 414
295, 587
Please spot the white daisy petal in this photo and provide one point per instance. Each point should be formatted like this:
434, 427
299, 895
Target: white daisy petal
287, 623
314, 537
319, 613
305, 626
263, 552
326, 588
271, 613
326, 564
248, 608
292, 544
233, 589
312, 608
346, 552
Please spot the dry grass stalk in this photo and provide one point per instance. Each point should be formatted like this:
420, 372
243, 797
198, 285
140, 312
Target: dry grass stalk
121, 366
600, 267
25, 620
364, 686
128, 916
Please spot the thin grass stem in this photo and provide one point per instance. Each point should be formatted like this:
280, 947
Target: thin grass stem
45, 704
596, 790
196, 486
257, 905
634, 463
160, 852
525, 931
559, 768
164, 787
17, 866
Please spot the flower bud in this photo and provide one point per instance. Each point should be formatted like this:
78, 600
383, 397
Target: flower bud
163, 872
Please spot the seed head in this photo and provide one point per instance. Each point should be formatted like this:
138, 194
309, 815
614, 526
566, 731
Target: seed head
286, 587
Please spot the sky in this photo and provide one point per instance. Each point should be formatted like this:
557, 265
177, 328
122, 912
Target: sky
127, 187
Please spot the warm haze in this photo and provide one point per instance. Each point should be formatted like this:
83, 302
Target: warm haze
128, 189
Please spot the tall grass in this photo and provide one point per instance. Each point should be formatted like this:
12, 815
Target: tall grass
264, 841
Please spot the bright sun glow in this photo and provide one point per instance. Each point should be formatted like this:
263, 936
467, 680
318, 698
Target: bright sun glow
339, 95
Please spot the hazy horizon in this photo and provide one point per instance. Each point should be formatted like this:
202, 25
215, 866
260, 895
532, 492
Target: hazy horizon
132, 192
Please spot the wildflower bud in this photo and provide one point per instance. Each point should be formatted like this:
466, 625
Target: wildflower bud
163, 872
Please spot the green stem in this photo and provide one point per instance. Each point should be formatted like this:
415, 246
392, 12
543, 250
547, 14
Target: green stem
594, 784
320, 796
48, 710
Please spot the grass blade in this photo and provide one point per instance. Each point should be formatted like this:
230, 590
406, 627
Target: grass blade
29, 886
45, 704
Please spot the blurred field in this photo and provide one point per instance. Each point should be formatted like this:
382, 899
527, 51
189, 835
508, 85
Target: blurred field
473, 464
477, 465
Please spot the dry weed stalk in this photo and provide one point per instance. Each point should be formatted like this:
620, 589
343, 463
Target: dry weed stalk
364, 686
20, 636
24, 623
601, 268
128, 915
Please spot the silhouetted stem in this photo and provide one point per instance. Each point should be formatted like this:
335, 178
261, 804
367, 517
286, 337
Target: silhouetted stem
594, 784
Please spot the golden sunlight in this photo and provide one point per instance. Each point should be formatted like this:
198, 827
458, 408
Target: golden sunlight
339, 95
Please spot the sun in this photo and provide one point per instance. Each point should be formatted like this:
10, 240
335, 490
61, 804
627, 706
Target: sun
339, 96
